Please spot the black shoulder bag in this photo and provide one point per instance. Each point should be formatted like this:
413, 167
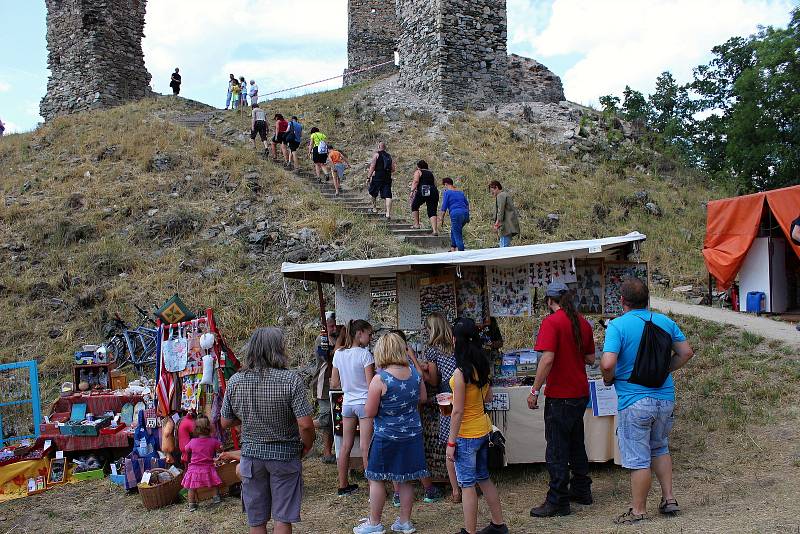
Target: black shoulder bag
497, 446
653, 359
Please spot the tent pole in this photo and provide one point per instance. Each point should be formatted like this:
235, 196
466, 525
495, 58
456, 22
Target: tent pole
321, 306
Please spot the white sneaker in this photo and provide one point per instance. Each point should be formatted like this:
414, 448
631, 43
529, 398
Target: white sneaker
405, 528
367, 528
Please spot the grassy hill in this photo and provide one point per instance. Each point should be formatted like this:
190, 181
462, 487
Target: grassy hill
103, 210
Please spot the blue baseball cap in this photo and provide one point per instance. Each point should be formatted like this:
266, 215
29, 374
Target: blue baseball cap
556, 289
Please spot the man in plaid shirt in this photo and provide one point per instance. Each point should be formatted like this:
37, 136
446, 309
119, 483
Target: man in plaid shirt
271, 405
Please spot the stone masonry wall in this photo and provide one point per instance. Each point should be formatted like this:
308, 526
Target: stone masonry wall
454, 52
530, 81
95, 55
371, 38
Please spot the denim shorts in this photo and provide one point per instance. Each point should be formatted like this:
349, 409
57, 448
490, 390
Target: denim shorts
353, 411
472, 460
643, 430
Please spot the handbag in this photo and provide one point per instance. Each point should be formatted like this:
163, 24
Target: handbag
497, 446
175, 352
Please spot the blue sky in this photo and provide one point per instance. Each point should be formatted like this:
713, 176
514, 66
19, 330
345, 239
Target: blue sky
596, 46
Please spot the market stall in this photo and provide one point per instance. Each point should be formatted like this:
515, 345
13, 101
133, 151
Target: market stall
491, 283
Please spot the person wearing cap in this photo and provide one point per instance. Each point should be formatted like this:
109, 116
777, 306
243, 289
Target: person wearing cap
253, 92
567, 345
645, 415
506, 218
321, 385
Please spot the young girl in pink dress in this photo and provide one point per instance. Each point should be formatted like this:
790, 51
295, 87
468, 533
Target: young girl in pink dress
201, 472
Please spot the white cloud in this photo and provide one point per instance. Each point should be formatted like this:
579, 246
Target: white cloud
11, 128
4, 87
271, 39
632, 41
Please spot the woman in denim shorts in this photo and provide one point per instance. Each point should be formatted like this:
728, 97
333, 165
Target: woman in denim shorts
353, 369
468, 443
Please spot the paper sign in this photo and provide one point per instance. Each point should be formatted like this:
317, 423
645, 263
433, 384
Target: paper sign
47, 445
500, 403
595, 249
59, 455
146, 477
113, 469
174, 470
604, 398
176, 418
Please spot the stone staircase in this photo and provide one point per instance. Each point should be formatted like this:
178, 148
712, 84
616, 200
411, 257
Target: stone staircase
353, 200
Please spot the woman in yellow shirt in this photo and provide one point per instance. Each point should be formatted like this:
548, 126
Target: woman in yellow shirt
468, 443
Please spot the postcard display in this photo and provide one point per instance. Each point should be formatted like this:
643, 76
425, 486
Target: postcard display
471, 297
589, 287
438, 294
509, 295
409, 313
616, 272
353, 298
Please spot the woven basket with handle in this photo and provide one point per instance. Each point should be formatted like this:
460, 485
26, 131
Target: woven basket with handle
162, 494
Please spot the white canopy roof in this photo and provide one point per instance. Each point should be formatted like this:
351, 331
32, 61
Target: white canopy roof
381, 267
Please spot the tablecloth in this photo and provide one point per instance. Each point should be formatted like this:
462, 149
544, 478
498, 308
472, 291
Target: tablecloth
523, 429
14, 477
95, 404
89, 443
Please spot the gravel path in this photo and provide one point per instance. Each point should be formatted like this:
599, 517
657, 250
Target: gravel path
767, 328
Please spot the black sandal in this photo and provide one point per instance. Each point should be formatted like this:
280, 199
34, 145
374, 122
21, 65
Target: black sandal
629, 518
669, 507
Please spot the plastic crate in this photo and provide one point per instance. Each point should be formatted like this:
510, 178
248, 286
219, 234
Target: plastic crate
94, 474
119, 480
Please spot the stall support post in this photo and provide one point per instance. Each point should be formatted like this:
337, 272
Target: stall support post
321, 306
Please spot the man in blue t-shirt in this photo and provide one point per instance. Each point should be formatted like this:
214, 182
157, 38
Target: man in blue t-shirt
645, 414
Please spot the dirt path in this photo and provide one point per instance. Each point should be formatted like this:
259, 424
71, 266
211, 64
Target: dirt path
767, 328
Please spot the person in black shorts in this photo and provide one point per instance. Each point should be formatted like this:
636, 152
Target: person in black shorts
258, 126
281, 125
423, 185
379, 178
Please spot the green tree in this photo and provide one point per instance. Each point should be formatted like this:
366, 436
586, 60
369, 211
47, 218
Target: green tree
750, 96
634, 106
610, 105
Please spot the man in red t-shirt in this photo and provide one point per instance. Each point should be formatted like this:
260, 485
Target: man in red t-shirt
566, 343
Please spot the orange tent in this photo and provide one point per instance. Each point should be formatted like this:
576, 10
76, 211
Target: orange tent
732, 225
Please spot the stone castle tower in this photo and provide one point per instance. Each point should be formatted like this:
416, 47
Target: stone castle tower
371, 38
95, 55
453, 52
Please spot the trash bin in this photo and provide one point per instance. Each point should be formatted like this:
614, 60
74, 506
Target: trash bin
756, 301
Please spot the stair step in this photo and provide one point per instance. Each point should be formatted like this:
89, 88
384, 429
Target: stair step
428, 242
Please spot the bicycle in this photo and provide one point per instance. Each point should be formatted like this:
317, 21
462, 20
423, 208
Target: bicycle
133, 346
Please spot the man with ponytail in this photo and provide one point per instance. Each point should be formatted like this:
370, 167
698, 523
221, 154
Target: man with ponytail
566, 343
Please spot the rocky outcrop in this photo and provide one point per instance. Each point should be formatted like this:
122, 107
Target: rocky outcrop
530, 81
94, 55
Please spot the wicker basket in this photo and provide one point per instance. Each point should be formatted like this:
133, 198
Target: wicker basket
164, 494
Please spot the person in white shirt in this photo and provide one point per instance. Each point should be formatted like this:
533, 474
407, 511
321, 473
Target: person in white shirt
253, 92
353, 369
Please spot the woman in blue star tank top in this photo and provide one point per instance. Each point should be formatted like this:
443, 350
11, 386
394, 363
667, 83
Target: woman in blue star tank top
398, 451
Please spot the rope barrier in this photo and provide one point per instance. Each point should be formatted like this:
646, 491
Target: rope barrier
357, 71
